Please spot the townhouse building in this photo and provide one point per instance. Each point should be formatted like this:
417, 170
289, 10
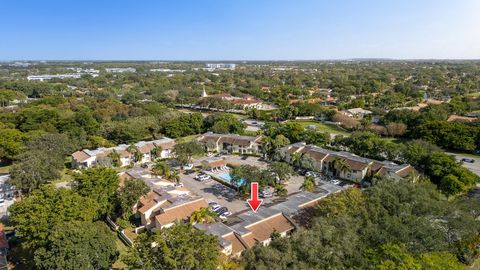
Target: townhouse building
143, 151
231, 143
355, 168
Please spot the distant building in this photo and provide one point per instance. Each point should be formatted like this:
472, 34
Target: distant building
356, 112
167, 70
44, 77
323, 160
221, 66
231, 143
465, 119
102, 156
121, 70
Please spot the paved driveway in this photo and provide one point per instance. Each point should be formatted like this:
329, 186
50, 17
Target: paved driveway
474, 167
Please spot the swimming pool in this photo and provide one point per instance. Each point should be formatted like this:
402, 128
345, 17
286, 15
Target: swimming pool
228, 178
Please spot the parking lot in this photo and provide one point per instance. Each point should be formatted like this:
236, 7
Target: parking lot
214, 191
225, 195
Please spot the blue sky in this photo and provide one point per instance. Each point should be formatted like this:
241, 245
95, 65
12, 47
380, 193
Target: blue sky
238, 29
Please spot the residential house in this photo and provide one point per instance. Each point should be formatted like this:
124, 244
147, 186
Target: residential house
323, 160
458, 118
254, 228
231, 143
149, 150
356, 112
162, 207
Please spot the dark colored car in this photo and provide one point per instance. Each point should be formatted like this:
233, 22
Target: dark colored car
469, 160
222, 210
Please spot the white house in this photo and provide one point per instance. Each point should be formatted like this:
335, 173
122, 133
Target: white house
231, 143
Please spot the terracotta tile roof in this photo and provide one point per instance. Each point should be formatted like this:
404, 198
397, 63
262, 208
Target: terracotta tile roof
293, 149
146, 148
180, 212
376, 166
404, 172
262, 230
80, 156
316, 155
356, 165
216, 163
166, 145
237, 245
148, 201
454, 118
330, 158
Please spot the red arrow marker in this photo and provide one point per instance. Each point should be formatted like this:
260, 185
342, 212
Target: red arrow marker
254, 202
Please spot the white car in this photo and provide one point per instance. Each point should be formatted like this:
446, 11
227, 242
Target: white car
188, 166
205, 177
312, 174
201, 177
266, 194
225, 215
336, 182
2, 202
178, 185
216, 207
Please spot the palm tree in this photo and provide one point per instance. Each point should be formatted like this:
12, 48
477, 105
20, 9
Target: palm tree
161, 168
296, 160
175, 176
308, 184
281, 190
202, 216
115, 158
156, 152
137, 156
341, 166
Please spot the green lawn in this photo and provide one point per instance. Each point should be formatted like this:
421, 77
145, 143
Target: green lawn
5, 169
187, 138
322, 127
122, 249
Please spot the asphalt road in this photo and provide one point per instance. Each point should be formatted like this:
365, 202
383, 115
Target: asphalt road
474, 167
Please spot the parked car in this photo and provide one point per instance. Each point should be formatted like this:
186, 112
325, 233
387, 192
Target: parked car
212, 203
225, 215
336, 182
215, 207
266, 194
301, 171
144, 165
469, 160
178, 185
244, 157
202, 177
187, 166
221, 210
2, 201
210, 154
310, 173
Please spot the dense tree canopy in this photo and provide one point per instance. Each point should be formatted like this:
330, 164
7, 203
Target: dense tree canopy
178, 247
376, 229
36, 215
100, 185
78, 245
